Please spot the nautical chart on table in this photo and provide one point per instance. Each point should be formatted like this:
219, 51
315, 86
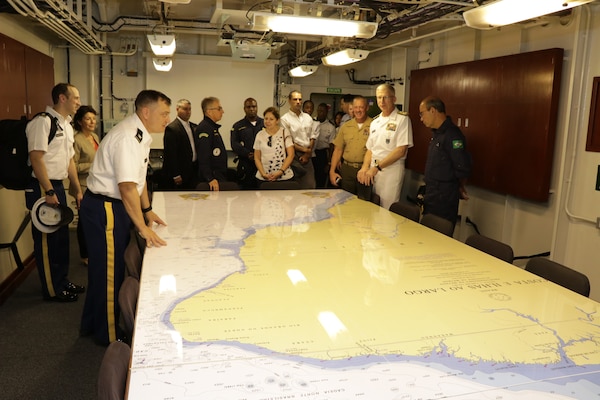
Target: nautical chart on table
269, 295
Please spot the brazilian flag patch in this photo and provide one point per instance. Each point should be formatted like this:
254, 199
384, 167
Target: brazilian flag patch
457, 144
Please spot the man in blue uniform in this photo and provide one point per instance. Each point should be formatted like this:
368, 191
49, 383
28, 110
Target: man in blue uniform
117, 197
243, 133
212, 156
448, 163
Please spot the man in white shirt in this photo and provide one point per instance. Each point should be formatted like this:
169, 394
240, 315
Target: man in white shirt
180, 166
387, 147
300, 125
52, 163
116, 199
322, 152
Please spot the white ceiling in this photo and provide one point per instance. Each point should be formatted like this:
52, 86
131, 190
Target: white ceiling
400, 21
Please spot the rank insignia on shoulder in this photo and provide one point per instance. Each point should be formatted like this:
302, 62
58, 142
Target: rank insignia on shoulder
457, 144
202, 135
403, 113
139, 135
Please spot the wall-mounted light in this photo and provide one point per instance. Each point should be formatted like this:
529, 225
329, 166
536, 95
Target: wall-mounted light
286, 23
162, 45
506, 12
162, 64
302, 70
344, 57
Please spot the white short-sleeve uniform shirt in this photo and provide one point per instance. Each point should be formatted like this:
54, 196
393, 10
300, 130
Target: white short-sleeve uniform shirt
122, 157
60, 151
387, 133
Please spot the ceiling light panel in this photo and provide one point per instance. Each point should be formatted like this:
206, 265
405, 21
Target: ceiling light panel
506, 12
344, 57
285, 23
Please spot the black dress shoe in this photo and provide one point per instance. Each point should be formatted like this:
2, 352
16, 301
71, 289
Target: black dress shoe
73, 288
63, 297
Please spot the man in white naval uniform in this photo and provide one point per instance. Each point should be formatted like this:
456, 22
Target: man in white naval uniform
387, 147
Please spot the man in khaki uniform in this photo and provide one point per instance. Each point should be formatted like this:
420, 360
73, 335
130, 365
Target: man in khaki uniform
350, 144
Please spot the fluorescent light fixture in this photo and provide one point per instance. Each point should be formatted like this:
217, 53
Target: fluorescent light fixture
162, 45
162, 64
286, 23
344, 57
302, 70
506, 12
176, 1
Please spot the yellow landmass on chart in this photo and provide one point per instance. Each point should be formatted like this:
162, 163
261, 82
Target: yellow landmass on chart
350, 286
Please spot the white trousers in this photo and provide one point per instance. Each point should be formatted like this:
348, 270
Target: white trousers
388, 184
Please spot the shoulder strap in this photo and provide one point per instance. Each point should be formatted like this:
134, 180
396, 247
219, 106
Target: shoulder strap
53, 124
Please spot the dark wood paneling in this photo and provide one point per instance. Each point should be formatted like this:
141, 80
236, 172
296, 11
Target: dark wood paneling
593, 136
507, 109
12, 78
40, 80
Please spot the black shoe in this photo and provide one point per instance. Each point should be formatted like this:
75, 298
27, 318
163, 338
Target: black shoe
73, 288
63, 297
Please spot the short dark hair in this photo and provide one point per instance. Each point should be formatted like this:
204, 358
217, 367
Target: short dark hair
60, 88
435, 102
348, 98
206, 102
81, 111
273, 111
149, 96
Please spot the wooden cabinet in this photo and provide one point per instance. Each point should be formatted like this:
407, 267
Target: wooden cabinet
26, 79
507, 108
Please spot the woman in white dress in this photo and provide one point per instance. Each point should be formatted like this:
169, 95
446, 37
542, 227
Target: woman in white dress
273, 149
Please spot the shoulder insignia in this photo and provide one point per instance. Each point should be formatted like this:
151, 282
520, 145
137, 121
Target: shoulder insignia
457, 144
377, 116
200, 136
139, 135
403, 113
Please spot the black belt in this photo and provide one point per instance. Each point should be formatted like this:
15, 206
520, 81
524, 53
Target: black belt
103, 197
352, 164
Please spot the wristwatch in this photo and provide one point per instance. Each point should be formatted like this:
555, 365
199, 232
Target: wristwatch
377, 165
50, 192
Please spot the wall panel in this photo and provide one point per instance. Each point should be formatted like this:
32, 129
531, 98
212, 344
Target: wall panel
507, 108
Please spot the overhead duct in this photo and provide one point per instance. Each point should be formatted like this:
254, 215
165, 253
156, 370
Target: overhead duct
64, 22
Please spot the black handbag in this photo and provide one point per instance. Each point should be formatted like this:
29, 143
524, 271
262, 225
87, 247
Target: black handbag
298, 168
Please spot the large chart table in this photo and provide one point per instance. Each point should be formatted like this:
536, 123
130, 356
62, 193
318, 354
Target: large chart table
318, 295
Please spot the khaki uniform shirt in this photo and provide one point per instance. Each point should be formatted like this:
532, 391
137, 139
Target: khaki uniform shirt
353, 140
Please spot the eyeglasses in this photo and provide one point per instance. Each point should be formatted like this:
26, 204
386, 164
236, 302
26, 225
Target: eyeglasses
422, 112
269, 143
216, 108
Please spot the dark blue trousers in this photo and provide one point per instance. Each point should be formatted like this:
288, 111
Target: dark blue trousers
106, 227
51, 250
